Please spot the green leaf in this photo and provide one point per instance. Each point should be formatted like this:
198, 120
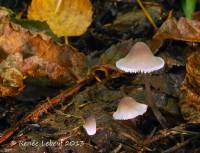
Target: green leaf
188, 7
36, 26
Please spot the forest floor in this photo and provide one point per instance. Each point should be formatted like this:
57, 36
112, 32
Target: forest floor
46, 113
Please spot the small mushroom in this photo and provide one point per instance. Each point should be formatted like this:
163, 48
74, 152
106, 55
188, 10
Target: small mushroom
90, 125
128, 108
140, 59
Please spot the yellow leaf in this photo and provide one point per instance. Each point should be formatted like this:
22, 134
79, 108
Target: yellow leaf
65, 17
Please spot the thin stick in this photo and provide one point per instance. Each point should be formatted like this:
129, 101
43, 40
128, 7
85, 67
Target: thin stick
44, 107
116, 150
178, 146
165, 133
154, 108
146, 13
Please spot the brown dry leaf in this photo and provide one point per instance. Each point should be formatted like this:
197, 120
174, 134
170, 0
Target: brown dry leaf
65, 17
190, 91
56, 61
11, 77
183, 29
34, 54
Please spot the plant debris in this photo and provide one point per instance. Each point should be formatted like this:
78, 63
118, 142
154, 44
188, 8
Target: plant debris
32, 54
182, 29
63, 17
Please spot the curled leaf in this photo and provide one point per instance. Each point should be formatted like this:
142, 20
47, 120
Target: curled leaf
182, 29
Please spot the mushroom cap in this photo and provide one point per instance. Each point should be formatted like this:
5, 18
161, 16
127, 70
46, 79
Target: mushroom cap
140, 59
128, 108
90, 125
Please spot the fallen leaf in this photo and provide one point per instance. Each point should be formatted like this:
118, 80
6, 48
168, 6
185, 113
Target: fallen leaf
11, 77
189, 104
182, 29
193, 72
190, 90
135, 20
65, 17
115, 52
38, 67
27, 53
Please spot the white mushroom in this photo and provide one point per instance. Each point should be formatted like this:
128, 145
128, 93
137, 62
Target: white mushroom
90, 125
128, 108
140, 59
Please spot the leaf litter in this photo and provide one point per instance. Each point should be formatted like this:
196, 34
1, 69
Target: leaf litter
35, 55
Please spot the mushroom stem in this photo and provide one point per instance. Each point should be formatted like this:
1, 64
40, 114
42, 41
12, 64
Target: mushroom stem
149, 101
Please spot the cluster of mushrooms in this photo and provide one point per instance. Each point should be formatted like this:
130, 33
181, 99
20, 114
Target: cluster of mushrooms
140, 59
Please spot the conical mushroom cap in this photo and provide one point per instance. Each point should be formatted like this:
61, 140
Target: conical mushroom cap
90, 125
140, 59
128, 108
